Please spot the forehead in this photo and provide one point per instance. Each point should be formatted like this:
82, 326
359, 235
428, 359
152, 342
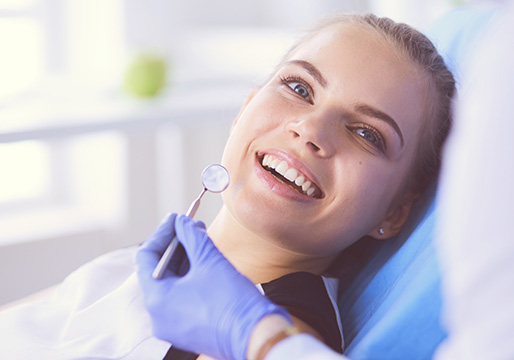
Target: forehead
361, 65
349, 36
358, 49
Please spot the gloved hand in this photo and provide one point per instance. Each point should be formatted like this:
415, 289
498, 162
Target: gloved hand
210, 310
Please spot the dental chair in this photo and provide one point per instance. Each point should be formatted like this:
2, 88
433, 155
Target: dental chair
389, 294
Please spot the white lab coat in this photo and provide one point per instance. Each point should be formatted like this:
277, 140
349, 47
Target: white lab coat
97, 313
477, 208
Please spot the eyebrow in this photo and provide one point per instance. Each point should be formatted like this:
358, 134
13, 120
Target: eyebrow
372, 112
311, 69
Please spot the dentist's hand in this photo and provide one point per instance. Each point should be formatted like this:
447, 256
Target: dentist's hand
210, 310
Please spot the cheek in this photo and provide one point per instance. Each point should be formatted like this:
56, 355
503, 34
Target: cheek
363, 191
258, 120
265, 111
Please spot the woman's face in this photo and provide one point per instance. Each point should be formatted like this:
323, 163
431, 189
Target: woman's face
343, 114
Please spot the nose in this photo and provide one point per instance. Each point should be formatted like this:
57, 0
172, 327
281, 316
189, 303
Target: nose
315, 132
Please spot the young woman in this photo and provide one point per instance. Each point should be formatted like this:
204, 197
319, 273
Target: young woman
337, 145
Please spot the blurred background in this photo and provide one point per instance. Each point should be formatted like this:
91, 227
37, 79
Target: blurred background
110, 109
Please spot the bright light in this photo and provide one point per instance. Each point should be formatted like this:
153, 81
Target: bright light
15, 4
21, 62
24, 171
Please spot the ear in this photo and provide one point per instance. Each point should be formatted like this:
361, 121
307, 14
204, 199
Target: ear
245, 104
395, 219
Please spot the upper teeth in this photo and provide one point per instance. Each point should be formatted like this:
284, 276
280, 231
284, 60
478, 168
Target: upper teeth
289, 173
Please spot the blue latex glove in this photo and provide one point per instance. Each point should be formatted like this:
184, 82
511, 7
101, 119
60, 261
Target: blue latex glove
210, 310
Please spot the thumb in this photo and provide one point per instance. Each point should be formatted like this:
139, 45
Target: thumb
150, 252
193, 236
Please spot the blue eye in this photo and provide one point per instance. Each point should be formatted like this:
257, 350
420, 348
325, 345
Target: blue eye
370, 135
299, 89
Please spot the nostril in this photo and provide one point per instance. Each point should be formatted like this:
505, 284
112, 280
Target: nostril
295, 134
314, 146
310, 143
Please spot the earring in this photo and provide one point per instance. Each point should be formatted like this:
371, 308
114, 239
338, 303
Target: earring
381, 231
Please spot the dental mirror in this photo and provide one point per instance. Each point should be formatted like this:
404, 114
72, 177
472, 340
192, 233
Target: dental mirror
215, 178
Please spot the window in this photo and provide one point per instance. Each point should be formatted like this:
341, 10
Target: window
61, 185
54, 51
21, 40
25, 172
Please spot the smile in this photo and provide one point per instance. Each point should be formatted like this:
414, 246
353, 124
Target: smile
290, 176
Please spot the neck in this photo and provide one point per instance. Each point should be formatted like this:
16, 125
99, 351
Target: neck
258, 257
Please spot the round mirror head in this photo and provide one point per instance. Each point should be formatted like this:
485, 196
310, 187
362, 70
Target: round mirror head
215, 178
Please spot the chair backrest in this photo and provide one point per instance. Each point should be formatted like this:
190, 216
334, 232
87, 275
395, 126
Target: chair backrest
389, 295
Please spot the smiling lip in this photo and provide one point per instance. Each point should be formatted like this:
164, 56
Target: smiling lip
287, 175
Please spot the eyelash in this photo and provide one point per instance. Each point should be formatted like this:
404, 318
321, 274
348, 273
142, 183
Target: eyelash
380, 144
300, 81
